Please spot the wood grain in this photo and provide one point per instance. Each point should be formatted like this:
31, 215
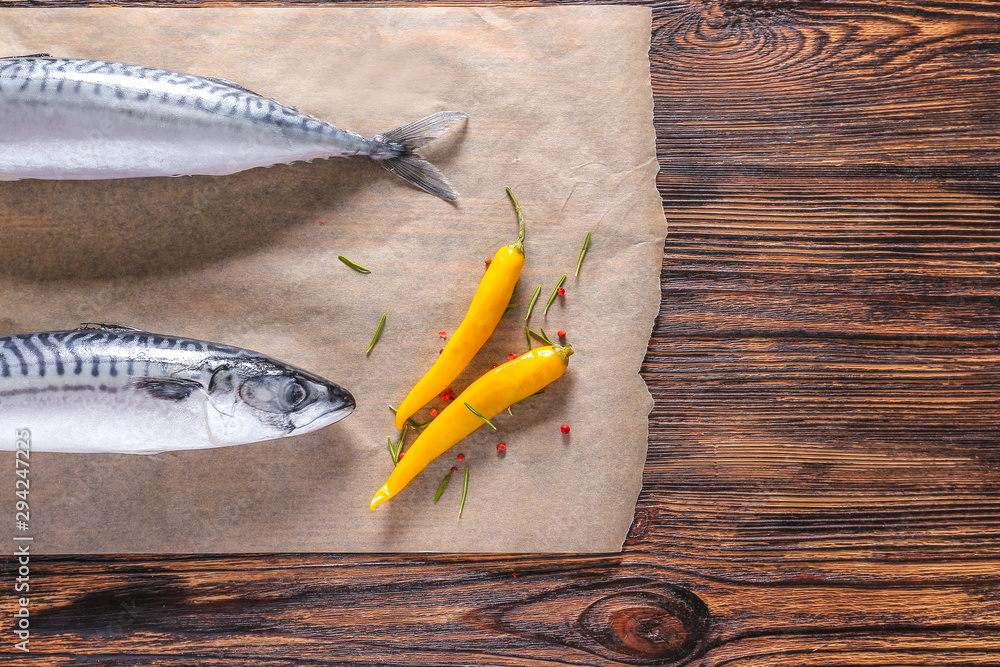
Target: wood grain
822, 480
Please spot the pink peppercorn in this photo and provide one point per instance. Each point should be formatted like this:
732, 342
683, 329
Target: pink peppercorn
511, 357
564, 428
434, 412
561, 333
454, 468
502, 447
561, 291
461, 458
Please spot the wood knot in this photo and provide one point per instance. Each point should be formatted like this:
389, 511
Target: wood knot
647, 628
641, 524
626, 620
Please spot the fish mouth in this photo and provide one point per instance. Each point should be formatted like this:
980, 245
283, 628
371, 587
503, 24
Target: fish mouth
341, 402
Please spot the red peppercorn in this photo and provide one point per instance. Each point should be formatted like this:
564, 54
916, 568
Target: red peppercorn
461, 458
489, 260
561, 333
561, 291
454, 468
448, 395
441, 350
493, 366
564, 428
401, 455
502, 447
443, 334
512, 356
434, 412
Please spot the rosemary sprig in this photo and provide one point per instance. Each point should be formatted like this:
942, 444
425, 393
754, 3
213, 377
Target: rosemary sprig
443, 485
527, 334
583, 251
353, 265
545, 336
479, 414
552, 297
378, 332
410, 421
531, 304
465, 491
395, 450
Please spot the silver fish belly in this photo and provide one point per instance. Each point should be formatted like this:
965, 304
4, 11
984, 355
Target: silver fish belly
89, 119
106, 388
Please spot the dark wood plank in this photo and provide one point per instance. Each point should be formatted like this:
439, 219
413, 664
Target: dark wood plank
821, 486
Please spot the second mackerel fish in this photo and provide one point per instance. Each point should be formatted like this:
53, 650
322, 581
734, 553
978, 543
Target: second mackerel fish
70, 119
107, 388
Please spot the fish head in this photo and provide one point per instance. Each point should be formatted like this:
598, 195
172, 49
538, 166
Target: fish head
260, 399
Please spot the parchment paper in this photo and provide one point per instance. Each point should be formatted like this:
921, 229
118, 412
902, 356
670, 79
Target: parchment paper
560, 110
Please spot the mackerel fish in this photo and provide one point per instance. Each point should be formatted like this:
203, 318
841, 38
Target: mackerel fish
69, 119
107, 388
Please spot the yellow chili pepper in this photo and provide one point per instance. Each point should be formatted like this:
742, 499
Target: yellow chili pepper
487, 307
492, 393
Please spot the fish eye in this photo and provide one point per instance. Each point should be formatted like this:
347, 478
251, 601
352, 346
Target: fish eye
274, 393
293, 392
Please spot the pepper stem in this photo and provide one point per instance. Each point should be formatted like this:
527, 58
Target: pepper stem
563, 351
519, 244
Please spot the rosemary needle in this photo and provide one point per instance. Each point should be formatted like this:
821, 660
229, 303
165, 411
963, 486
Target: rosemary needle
353, 265
552, 297
378, 332
583, 251
540, 336
443, 485
531, 304
478, 414
465, 491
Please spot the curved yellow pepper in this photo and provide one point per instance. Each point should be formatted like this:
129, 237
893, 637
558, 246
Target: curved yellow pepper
492, 393
487, 307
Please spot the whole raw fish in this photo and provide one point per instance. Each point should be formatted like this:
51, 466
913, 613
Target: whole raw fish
107, 388
89, 119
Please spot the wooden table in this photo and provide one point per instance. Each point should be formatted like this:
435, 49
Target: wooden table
822, 481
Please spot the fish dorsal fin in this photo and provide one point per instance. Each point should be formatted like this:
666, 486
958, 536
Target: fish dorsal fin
167, 389
231, 84
30, 55
117, 328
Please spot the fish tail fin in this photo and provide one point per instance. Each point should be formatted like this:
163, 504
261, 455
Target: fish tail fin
398, 152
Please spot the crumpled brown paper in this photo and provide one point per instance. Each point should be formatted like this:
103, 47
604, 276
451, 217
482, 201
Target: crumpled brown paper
560, 110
